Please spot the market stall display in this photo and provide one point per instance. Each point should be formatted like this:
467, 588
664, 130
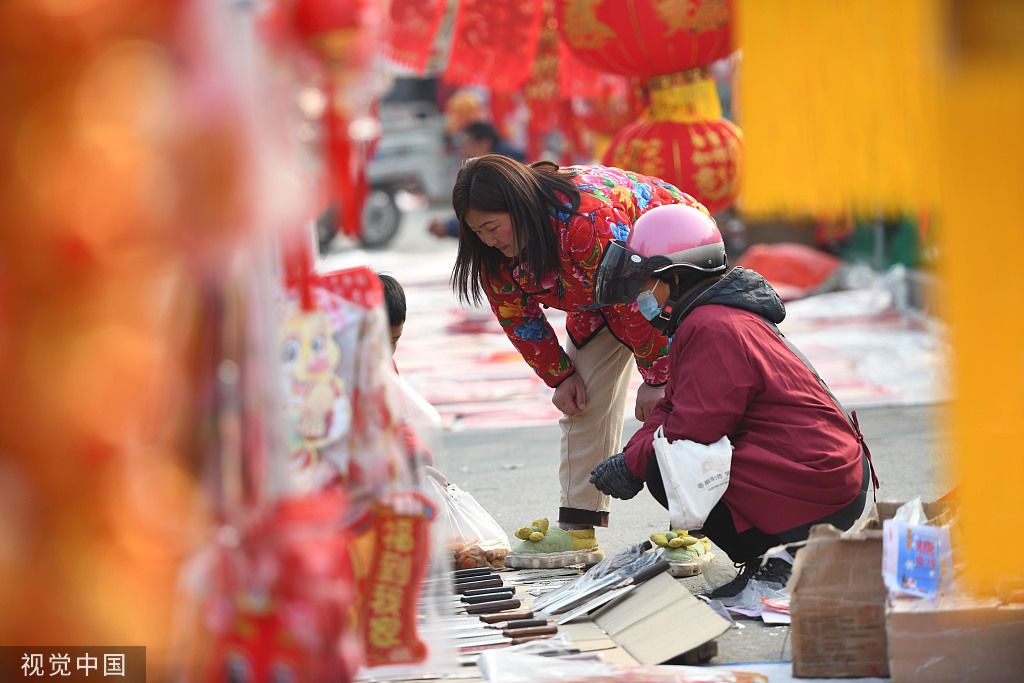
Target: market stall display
205, 447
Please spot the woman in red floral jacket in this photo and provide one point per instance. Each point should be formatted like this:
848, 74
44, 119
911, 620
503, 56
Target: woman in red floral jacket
531, 237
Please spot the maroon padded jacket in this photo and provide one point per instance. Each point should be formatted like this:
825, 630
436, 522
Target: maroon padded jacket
796, 457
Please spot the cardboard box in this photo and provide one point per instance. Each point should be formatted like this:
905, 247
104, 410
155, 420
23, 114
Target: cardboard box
838, 598
658, 621
837, 605
954, 639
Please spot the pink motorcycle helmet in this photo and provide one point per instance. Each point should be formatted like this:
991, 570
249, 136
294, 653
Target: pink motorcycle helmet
663, 238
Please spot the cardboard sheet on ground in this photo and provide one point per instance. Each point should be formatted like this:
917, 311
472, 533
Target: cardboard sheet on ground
654, 623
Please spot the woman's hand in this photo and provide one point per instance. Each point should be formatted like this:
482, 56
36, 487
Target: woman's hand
646, 398
570, 396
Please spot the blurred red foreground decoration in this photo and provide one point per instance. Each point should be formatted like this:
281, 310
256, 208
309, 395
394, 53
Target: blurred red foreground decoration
346, 34
332, 45
127, 191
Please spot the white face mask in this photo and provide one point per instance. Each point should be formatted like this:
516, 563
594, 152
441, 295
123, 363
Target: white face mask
648, 303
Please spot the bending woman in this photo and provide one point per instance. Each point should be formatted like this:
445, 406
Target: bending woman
531, 237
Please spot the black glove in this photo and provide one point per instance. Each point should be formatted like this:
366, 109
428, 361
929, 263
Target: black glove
614, 478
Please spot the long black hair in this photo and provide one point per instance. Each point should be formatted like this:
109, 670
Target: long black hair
533, 196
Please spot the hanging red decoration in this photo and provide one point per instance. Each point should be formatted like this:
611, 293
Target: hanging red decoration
666, 46
612, 104
646, 37
683, 139
576, 78
559, 82
494, 43
701, 158
412, 30
542, 94
343, 36
346, 175
330, 27
302, 627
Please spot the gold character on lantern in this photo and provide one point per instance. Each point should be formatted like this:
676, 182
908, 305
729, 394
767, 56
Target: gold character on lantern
697, 140
589, 32
694, 16
714, 182
640, 155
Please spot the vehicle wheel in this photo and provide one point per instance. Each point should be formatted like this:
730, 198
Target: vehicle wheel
326, 229
381, 218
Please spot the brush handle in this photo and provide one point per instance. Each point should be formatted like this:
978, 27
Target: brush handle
492, 607
489, 597
505, 616
490, 582
485, 591
519, 623
536, 631
649, 571
478, 571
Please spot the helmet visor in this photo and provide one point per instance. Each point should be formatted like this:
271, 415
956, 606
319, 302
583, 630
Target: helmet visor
621, 275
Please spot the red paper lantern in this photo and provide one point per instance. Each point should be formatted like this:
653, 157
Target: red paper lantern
682, 138
646, 37
701, 158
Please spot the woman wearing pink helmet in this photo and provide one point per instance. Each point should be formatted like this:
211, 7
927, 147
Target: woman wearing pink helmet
797, 458
530, 238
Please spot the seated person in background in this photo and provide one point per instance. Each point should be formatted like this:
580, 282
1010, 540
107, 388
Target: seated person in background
797, 458
478, 138
482, 138
394, 302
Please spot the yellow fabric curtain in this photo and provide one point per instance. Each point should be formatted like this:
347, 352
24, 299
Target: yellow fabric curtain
836, 103
982, 235
914, 105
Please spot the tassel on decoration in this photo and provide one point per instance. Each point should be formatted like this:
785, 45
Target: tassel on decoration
837, 101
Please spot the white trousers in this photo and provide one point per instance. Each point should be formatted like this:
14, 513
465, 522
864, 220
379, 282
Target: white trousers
595, 434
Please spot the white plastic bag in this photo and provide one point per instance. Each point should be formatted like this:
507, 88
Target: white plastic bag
695, 477
471, 533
